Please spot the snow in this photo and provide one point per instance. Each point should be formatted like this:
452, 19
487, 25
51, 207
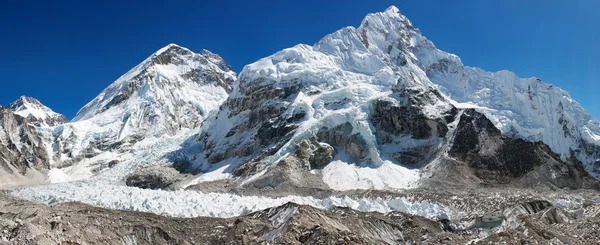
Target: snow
151, 101
342, 176
56, 175
353, 66
349, 70
193, 204
31, 108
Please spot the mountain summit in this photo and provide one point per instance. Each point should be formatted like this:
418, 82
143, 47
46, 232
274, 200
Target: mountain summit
163, 78
36, 113
168, 94
376, 107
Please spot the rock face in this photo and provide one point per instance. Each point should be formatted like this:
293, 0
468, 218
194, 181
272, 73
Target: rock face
524, 108
498, 159
36, 113
21, 148
154, 177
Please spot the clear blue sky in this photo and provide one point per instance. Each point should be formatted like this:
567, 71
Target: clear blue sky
65, 52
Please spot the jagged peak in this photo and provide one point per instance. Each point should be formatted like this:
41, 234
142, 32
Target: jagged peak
173, 62
36, 112
390, 17
216, 59
24, 102
170, 47
25, 99
393, 10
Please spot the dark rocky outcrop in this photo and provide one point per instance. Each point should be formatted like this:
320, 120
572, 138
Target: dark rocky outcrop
317, 154
409, 120
263, 108
404, 115
498, 159
342, 136
22, 222
155, 177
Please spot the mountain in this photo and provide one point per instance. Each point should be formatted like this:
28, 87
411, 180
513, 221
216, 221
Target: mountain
167, 95
378, 107
289, 223
22, 150
37, 113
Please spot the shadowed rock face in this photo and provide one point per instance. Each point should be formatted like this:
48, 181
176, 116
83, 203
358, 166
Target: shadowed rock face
497, 159
341, 136
406, 115
262, 108
21, 147
154, 177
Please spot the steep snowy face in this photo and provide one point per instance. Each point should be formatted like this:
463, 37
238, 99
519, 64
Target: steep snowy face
36, 113
172, 74
384, 98
170, 93
520, 107
336, 94
21, 148
524, 108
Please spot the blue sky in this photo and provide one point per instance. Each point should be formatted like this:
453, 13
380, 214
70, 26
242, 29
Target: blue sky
65, 52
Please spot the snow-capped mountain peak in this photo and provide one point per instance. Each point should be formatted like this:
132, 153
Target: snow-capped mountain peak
176, 64
521, 107
341, 91
168, 94
36, 113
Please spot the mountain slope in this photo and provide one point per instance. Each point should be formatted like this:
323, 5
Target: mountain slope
36, 113
168, 94
22, 151
521, 107
385, 100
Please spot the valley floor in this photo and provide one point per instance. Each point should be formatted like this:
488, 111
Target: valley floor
570, 219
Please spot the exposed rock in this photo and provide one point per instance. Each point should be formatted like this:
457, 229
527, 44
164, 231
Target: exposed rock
172, 91
156, 177
537, 222
21, 147
342, 136
287, 224
317, 154
406, 117
264, 130
497, 159
321, 156
36, 113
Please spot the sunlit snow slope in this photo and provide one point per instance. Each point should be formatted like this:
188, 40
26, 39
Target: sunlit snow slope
168, 94
36, 113
336, 88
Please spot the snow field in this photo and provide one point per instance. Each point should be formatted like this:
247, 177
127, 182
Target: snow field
193, 204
